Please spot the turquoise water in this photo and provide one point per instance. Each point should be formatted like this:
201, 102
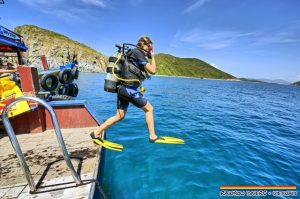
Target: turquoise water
236, 133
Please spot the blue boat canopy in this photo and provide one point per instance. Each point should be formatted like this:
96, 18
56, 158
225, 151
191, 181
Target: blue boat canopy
11, 41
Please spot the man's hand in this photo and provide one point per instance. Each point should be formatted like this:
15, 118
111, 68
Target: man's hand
151, 50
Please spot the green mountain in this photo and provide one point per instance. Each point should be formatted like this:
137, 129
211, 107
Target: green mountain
189, 67
296, 83
59, 50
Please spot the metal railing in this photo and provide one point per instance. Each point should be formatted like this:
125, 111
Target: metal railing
18, 150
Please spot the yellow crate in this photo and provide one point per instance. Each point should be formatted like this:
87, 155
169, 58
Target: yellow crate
10, 91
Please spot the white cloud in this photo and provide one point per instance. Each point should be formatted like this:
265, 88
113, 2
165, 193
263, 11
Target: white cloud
197, 4
76, 14
277, 37
220, 39
215, 46
298, 77
208, 39
65, 10
99, 3
54, 3
280, 35
42, 3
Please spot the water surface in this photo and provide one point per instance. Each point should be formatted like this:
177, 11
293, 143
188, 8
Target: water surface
236, 133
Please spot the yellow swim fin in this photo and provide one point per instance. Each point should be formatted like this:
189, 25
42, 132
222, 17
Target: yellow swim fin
173, 139
167, 140
107, 144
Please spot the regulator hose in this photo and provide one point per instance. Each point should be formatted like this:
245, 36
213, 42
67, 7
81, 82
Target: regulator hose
121, 79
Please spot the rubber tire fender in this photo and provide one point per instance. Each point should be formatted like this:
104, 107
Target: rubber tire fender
64, 89
52, 86
62, 74
73, 90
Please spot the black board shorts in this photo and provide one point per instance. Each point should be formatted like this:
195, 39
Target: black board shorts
129, 94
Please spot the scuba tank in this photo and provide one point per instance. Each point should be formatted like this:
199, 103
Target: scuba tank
132, 75
113, 70
121, 71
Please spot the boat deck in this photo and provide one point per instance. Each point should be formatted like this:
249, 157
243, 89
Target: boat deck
47, 166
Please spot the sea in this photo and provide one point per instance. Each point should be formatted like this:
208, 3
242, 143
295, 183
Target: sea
236, 133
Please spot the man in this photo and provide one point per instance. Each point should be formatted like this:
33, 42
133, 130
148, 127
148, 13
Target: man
128, 92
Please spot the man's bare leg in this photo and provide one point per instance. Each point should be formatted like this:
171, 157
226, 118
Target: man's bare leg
110, 121
149, 120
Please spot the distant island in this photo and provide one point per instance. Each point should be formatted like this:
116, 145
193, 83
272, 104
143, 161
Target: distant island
250, 80
296, 83
58, 49
274, 81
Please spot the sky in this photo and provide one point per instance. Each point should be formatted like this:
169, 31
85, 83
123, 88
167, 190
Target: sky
246, 38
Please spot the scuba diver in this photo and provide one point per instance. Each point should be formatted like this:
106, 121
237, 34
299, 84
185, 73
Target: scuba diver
138, 67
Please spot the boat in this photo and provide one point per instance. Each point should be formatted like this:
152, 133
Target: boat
46, 151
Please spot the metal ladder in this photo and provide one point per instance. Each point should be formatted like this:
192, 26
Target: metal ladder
18, 150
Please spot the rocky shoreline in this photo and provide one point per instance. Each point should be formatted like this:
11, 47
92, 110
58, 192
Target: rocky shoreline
59, 50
